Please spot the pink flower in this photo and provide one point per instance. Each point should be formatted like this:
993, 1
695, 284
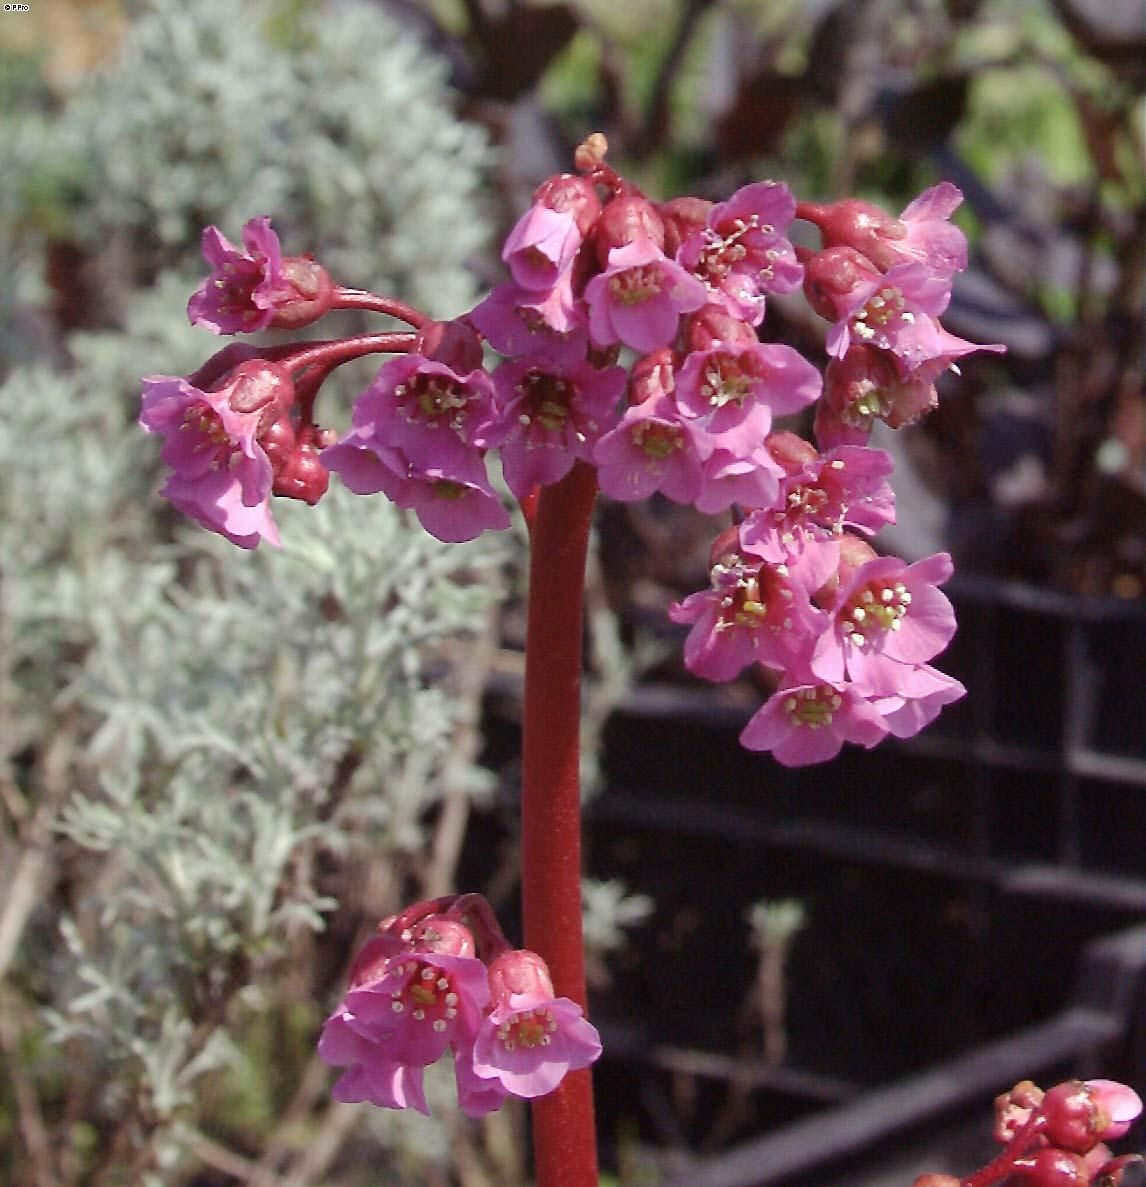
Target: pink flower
753, 612
639, 298
548, 328
895, 312
371, 1075
735, 387
221, 475
418, 1003
541, 246
728, 478
923, 693
454, 506
887, 618
239, 296
845, 487
429, 412
1117, 1102
923, 233
531, 1038
547, 417
809, 723
653, 448
743, 252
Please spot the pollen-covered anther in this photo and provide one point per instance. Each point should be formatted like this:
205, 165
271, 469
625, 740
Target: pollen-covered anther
813, 707
635, 285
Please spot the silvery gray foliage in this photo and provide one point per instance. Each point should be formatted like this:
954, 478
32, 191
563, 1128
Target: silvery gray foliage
340, 128
237, 710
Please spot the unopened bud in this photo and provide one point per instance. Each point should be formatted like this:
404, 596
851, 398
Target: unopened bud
652, 375
726, 545
591, 152
831, 276
682, 217
452, 343
713, 324
302, 476
860, 225
277, 438
447, 937
1014, 1109
568, 193
790, 450
518, 972
625, 220
309, 296
1052, 1167
258, 383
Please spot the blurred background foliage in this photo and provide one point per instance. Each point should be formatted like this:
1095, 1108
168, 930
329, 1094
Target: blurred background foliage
202, 752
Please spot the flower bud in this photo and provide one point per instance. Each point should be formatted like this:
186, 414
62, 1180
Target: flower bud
566, 192
682, 217
302, 476
790, 450
831, 275
725, 545
453, 343
1079, 1115
652, 375
859, 225
258, 383
307, 294
277, 439
1013, 1109
591, 152
519, 972
713, 324
446, 937
625, 220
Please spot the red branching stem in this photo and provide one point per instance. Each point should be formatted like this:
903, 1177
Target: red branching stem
345, 298
336, 351
1008, 1160
564, 1138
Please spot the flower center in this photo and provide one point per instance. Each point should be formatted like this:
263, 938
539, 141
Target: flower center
545, 400
874, 610
636, 285
432, 398
450, 491
202, 419
724, 381
656, 438
886, 307
427, 996
812, 708
529, 1029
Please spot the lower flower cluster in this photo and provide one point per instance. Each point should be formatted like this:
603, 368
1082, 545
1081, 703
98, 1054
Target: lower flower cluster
440, 977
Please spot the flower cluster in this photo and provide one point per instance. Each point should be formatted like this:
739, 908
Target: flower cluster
441, 976
602, 276
1057, 1138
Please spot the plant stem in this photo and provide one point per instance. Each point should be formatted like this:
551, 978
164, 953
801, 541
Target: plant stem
564, 1138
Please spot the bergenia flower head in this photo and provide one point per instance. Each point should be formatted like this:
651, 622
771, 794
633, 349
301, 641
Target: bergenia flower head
654, 448
541, 246
549, 327
221, 475
530, 1039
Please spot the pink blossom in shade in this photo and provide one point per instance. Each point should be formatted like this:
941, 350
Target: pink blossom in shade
950, 349
422, 1002
370, 1074
887, 618
638, 300
737, 386
803, 724
530, 1041
654, 448
221, 476
895, 312
552, 331
751, 481
753, 612
925, 692
239, 296
433, 415
477, 1097
548, 417
541, 246
743, 252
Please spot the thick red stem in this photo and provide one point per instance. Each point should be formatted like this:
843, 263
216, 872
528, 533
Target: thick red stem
345, 298
564, 1138
1007, 1161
